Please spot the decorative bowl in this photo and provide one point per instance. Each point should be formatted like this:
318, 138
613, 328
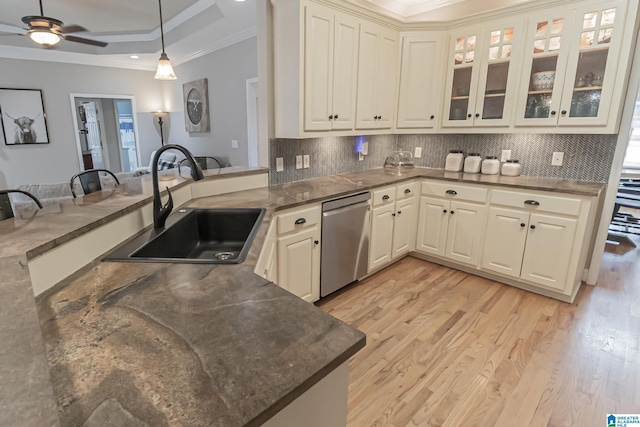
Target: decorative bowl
543, 80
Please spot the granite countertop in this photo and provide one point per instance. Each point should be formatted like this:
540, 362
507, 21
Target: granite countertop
190, 344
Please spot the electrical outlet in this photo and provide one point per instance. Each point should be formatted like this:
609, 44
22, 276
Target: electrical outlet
418, 152
360, 157
305, 161
506, 155
365, 148
234, 143
298, 162
279, 164
557, 159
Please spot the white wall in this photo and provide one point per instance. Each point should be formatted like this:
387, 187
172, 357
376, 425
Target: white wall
227, 71
58, 160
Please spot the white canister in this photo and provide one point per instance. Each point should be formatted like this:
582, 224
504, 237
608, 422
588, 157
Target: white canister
473, 163
454, 161
511, 168
490, 165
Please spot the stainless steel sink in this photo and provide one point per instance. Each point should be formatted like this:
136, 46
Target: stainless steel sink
210, 236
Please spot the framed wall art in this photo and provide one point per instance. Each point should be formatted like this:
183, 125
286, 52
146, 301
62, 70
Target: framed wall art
22, 116
196, 106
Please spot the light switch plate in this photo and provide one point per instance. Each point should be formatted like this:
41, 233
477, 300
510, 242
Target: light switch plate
279, 164
365, 148
418, 152
234, 143
360, 157
557, 159
298, 162
305, 161
506, 155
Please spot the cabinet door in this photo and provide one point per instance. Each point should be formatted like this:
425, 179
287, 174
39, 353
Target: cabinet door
368, 60
462, 78
299, 264
318, 68
548, 250
432, 226
592, 64
387, 79
545, 61
381, 236
505, 239
465, 232
404, 227
345, 75
496, 82
420, 75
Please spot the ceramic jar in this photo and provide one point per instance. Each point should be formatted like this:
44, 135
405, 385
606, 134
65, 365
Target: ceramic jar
490, 165
454, 161
511, 168
472, 163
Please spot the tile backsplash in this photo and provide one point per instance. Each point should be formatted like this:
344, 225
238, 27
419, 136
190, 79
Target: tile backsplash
586, 157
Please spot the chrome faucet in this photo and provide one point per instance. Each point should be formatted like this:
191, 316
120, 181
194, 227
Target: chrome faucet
160, 212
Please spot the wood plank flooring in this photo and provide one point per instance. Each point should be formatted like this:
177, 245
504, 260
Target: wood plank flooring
445, 348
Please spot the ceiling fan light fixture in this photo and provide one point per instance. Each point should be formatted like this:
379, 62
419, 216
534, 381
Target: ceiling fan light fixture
165, 70
44, 37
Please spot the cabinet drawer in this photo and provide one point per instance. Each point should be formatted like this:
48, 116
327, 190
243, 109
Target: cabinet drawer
454, 191
406, 190
539, 202
383, 196
304, 218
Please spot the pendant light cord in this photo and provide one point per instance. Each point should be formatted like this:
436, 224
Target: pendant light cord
161, 29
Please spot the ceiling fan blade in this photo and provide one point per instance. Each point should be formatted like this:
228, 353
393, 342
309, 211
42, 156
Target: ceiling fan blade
71, 29
13, 34
84, 41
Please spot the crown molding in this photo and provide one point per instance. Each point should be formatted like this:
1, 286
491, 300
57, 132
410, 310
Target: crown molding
220, 44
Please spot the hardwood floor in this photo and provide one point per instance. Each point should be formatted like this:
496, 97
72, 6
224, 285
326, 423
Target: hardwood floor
445, 348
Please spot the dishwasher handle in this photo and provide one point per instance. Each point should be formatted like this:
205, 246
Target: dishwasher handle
333, 212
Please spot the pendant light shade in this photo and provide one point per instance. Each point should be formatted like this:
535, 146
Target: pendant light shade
165, 70
44, 37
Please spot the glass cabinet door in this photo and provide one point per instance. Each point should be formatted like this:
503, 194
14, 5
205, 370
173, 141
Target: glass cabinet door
496, 82
547, 54
464, 57
591, 70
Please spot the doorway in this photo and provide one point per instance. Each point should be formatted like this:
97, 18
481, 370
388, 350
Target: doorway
106, 132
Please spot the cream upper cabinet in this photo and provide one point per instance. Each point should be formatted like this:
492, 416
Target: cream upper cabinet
481, 85
420, 81
377, 77
331, 48
572, 60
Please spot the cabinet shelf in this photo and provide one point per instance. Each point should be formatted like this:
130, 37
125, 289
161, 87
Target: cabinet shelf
587, 88
540, 92
494, 95
456, 98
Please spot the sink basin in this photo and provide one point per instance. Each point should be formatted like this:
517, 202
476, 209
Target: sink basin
211, 236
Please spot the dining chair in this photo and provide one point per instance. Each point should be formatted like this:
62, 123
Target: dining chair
6, 211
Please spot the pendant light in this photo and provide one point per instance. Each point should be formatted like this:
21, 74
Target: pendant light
165, 70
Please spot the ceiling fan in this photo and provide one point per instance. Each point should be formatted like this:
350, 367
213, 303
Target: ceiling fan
48, 31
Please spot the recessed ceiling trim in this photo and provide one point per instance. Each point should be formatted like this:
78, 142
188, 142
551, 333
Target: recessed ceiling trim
220, 44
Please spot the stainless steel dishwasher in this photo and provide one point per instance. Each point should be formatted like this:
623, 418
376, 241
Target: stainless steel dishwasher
345, 241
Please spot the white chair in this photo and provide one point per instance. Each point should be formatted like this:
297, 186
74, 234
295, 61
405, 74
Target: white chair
167, 161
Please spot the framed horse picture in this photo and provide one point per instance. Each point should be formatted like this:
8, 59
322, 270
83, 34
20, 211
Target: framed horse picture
22, 117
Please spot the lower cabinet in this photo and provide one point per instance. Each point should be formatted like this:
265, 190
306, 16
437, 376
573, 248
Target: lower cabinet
393, 219
532, 246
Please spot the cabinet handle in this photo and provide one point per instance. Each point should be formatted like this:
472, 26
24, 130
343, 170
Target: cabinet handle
522, 224
385, 197
469, 115
335, 117
433, 117
316, 242
393, 214
532, 202
477, 115
553, 113
399, 212
444, 211
407, 191
533, 227
331, 117
452, 192
300, 221
563, 112
452, 212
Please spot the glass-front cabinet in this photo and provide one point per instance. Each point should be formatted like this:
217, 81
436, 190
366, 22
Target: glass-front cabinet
481, 81
570, 66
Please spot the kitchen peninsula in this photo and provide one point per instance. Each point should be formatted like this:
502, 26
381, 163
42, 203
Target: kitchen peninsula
172, 343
